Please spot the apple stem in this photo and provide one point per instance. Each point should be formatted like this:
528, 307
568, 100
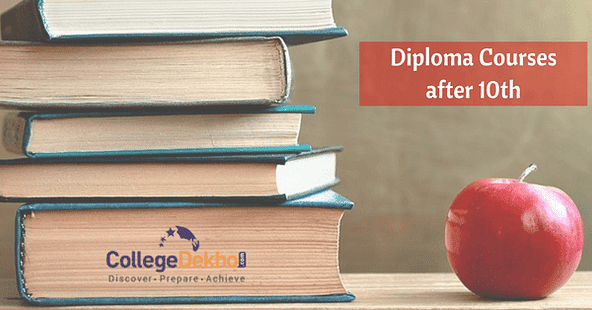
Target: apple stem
527, 171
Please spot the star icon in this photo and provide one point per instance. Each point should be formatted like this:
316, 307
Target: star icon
161, 245
170, 232
163, 239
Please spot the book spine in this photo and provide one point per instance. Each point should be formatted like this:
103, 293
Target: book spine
288, 75
14, 133
18, 247
23, 22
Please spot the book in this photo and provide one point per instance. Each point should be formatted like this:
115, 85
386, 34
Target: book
297, 22
233, 71
171, 252
269, 177
220, 130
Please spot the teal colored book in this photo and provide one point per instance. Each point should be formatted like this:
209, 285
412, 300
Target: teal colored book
297, 22
144, 75
214, 131
171, 252
259, 177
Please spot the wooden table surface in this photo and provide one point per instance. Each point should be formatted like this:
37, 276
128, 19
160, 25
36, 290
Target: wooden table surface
383, 291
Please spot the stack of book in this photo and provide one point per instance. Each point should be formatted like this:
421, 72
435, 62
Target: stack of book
159, 159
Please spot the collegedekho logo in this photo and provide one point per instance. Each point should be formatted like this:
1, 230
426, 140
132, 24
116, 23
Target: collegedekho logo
188, 257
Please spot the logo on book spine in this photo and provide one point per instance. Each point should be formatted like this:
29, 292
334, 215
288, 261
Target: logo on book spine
184, 259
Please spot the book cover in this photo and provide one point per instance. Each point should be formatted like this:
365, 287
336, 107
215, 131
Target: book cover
171, 252
296, 22
203, 131
146, 75
261, 177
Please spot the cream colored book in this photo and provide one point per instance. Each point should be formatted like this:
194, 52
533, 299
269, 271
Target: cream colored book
120, 253
297, 22
234, 71
269, 176
198, 131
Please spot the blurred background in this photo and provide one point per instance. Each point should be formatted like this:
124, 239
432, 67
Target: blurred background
403, 166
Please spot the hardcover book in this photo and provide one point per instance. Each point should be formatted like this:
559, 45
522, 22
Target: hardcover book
233, 71
198, 131
271, 177
167, 252
296, 21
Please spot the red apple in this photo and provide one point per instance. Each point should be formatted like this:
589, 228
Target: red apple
507, 239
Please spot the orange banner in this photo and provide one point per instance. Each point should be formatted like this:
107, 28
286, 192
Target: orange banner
473, 73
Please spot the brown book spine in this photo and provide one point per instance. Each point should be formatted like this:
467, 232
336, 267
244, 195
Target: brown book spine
13, 133
23, 22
